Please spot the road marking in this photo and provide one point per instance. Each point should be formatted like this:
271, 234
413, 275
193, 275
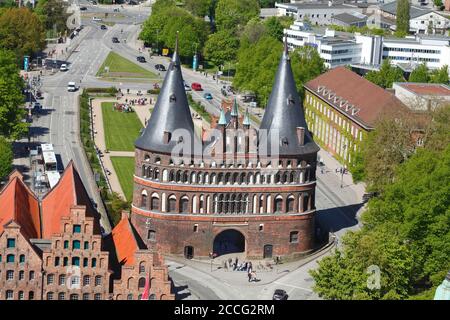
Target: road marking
292, 286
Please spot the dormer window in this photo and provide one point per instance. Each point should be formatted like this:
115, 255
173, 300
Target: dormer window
172, 98
180, 139
284, 141
290, 100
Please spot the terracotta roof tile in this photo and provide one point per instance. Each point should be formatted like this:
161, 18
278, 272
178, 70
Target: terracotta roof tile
125, 242
369, 99
68, 192
18, 203
427, 88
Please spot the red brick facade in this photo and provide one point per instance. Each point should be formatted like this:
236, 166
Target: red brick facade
76, 262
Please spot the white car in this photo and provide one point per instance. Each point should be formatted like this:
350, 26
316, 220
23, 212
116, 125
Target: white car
96, 19
71, 87
63, 67
187, 87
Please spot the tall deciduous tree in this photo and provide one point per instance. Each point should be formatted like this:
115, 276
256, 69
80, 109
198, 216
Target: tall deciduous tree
257, 65
21, 32
420, 74
221, 47
231, 14
6, 158
162, 26
439, 75
386, 76
403, 16
11, 98
200, 8
53, 14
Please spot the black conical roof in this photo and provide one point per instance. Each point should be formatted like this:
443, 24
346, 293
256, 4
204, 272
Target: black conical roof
171, 112
284, 113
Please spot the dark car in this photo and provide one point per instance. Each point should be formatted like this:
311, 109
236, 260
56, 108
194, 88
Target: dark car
160, 67
83, 8
103, 27
141, 59
115, 40
280, 294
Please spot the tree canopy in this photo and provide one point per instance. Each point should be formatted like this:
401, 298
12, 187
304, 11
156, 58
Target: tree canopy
232, 14
419, 74
221, 47
403, 16
53, 14
21, 32
406, 229
199, 8
257, 64
6, 158
11, 98
386, 76
162, 27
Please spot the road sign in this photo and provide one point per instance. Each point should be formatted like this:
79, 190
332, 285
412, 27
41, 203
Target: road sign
165, 51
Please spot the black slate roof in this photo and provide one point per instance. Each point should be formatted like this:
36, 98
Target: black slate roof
171, 113
284, 113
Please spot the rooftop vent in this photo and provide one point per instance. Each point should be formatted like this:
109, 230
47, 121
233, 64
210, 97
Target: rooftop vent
331, 95
348, 107
320, 89
355, 111
343, 103
336, 99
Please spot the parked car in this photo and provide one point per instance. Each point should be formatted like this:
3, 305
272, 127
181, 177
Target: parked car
83, 8
96, 19
140, 59
207, 96
280, 294
196, 86
187, 87
115, 40
103, 27
160, 67
63, 67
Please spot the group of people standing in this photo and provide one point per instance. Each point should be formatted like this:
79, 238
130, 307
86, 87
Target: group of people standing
241, 266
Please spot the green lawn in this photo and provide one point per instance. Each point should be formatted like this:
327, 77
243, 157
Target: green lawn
119, 67
124, 167
121, 128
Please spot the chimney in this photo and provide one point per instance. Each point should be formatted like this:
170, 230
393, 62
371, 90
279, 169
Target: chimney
330, 3
301, 135
166, 137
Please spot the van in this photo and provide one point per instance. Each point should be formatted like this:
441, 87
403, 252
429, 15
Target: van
196, 86
71, 87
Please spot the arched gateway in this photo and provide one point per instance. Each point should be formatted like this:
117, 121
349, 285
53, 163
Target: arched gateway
229, 241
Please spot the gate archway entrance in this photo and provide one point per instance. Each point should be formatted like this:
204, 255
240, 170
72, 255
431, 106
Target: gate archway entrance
229, 241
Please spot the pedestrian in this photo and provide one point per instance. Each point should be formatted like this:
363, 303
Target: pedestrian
249, 275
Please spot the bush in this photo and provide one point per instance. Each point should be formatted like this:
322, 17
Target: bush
153, 91
110, 90
199, 108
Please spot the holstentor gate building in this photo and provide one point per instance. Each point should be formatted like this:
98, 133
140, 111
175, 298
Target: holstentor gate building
240, 190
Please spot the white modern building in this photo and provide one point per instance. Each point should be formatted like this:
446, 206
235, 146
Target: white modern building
340, 48
319, 12
422, 96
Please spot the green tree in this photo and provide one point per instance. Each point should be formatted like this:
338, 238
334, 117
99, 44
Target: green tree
115, 207
21, 32
163, 25
258, 62
403, 16
160, 5
231, 14
385, 148
437, 136
6, 158
53, 15
11, 98
221, 47
420, 74
439, 75
405, 233
386, 76
276, 25
200, 8
254, 30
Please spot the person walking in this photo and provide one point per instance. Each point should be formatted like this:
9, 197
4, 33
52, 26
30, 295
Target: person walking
249, 275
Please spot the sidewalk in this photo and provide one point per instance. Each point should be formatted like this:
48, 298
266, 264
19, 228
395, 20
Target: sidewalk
240, 278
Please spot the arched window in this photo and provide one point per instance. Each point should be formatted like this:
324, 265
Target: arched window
157, 160
144, 199
305, 201
156, 174
155, 202
172, 176
290, 204
172, 203
141, 283
152, 297
147, 157
129, 285
130, 297
142, 267
278, 204
184, 205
